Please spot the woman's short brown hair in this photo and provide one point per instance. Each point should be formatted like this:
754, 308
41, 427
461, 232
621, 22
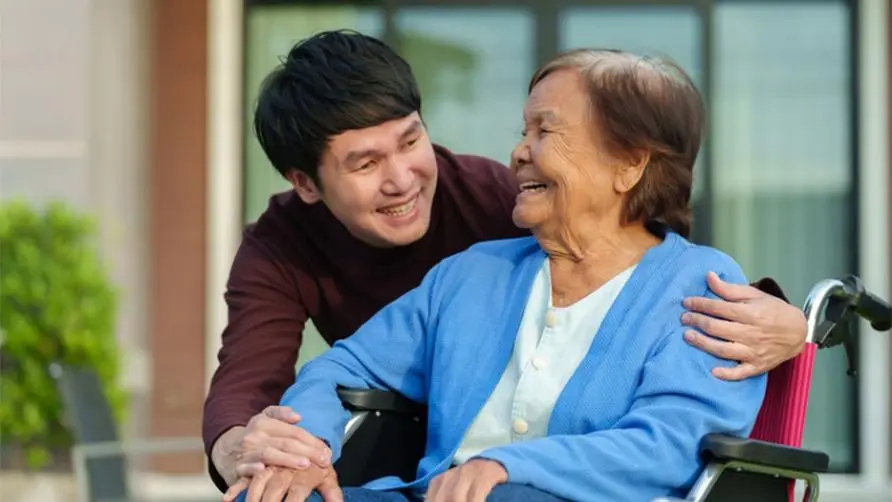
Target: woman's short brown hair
644, 104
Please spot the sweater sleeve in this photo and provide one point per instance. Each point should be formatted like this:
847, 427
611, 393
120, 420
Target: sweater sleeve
653, 450
266, 318
390, 351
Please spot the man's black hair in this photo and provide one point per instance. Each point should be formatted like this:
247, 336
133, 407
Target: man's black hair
329, 83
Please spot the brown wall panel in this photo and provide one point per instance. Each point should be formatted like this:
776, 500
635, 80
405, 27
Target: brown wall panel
178, 184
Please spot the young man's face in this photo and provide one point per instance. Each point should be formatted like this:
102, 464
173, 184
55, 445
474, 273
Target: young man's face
379, 181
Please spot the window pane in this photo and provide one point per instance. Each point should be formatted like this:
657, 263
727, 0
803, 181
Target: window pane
271, 31
783, 173
673, 32
669, 32
472, 66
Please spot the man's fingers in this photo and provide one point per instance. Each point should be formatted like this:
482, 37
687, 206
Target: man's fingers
330, 490
736, 373
275, 428
724, 350
249, 469
721, 309
319, 455
718, 328
283, 413
729, 291
236, 489
274, 456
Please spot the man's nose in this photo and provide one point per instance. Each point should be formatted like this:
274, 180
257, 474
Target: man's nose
400, 178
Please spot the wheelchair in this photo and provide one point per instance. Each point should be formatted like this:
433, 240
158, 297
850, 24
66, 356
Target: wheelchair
386, 433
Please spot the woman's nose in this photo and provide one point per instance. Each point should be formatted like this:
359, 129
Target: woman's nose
520, 155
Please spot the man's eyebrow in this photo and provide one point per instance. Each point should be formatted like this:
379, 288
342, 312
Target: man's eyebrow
355, 155
412, 129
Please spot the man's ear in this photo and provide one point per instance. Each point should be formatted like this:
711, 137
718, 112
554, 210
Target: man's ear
307, 189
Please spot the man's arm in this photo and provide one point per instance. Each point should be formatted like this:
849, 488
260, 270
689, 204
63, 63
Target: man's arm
260, 348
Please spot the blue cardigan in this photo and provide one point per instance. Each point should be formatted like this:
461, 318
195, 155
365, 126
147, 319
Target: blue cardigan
629, 422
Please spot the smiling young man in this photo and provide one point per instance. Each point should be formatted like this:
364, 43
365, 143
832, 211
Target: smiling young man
375, 205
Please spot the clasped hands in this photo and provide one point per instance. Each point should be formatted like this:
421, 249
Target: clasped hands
277, 460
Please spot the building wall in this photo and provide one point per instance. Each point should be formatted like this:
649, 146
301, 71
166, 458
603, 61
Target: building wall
178, 226
73, 125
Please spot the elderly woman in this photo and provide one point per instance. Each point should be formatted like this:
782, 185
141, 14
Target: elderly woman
554, 366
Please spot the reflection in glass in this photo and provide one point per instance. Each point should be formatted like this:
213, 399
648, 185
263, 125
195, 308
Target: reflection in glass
783, 172
473, 66
672, 32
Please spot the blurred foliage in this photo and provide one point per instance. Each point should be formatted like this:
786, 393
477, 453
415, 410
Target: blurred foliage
57, 305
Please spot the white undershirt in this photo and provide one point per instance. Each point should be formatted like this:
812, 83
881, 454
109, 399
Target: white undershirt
551, 343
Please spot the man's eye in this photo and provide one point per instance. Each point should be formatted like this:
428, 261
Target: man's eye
367, 165
411, 142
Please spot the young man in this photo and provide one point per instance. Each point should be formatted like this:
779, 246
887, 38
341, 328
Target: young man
375, 205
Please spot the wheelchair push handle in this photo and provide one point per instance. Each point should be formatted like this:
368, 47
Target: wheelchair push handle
833, 304
876, 311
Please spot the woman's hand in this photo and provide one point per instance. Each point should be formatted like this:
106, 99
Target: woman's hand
750, 326
271, 438
470, 482
274, 484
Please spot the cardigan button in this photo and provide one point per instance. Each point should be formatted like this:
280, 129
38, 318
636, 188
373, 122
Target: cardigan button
521, 426
550, 319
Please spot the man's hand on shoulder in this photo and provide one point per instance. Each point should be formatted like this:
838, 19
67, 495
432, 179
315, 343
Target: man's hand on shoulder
271, 438
274, 484
744, 324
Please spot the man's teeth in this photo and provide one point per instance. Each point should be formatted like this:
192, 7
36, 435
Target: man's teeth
400, 210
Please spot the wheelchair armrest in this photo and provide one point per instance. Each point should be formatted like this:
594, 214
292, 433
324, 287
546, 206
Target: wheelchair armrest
724, 448
378, 400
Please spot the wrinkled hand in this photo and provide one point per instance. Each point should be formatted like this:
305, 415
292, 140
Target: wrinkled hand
275, 483
271, 438
749, 326
470, 482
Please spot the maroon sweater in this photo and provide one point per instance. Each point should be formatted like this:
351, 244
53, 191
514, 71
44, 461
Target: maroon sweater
298, 262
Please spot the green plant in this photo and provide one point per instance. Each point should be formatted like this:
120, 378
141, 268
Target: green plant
57, 305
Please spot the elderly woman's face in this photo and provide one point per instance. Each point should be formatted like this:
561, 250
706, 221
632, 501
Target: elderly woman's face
559, 166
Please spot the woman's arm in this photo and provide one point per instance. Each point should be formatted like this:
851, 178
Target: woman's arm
390, 351
654, 449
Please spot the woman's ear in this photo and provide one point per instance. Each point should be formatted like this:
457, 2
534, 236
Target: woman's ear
628, 174
307, 189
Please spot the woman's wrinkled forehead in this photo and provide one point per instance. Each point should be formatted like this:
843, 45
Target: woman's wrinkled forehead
558, 98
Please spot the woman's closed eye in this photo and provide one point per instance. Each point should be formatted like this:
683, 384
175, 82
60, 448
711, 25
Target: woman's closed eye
540, 131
